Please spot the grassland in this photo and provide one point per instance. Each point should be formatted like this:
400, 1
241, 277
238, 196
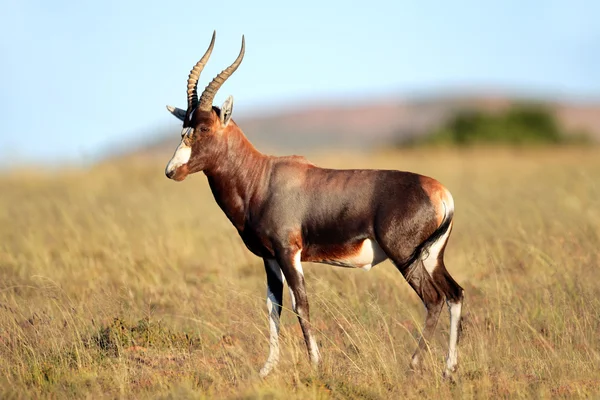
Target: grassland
117, 283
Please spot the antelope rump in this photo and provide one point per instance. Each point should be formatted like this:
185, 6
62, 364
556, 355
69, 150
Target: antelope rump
288, 210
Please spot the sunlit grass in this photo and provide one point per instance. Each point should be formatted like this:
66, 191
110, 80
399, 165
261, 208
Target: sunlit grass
116, 282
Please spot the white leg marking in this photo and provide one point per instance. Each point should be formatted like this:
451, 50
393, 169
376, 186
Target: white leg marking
315, 356
180, 157
293, 298
415, 361
273, 358
452, 360
298, 263
298, 267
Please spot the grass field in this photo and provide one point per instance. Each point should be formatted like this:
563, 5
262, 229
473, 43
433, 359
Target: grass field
116, 282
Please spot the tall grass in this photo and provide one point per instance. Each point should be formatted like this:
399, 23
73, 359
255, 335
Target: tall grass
115, 282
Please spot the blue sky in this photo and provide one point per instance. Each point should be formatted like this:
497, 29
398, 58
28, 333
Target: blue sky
78, 76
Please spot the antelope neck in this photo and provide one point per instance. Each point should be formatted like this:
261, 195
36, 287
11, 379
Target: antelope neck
237, 178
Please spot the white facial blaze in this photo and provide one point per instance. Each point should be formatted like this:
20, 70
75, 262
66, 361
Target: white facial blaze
180, 157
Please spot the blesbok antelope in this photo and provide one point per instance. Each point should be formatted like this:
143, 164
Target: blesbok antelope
287, 210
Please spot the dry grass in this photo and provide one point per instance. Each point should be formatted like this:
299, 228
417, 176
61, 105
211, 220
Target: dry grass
115, 282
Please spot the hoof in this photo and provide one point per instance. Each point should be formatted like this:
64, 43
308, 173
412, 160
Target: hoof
415, 364
266, 370
449, 375
263, 373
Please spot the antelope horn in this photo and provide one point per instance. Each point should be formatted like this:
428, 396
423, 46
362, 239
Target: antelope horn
208, 95
192, 83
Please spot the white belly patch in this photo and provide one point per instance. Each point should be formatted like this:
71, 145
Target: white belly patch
368, 255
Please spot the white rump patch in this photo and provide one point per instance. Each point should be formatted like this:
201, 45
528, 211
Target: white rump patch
368, 255
180, 157
449, 203
431, 261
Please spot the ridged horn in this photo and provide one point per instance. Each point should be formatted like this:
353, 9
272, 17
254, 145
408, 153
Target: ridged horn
192, 83
208, 95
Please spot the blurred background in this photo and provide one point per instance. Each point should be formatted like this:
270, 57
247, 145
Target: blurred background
115, 282
83, 81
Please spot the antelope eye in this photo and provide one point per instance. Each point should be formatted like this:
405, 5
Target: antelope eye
204, 129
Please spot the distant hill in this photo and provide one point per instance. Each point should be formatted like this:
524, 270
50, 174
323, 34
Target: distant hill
382, 123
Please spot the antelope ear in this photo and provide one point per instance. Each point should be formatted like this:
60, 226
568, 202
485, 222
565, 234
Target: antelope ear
226, 110
178, 112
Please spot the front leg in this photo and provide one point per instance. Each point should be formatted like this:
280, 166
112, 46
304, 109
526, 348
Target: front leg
290, 264
275, 281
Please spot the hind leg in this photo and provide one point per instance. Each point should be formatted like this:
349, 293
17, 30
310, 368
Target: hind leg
453, 293
400, 248
454, 299
432, 298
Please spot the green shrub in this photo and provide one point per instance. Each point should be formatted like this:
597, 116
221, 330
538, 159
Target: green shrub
519, 125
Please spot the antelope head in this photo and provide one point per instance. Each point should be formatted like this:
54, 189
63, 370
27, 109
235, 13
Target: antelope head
203, 125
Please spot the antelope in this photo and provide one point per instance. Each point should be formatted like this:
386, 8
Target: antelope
288, 211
